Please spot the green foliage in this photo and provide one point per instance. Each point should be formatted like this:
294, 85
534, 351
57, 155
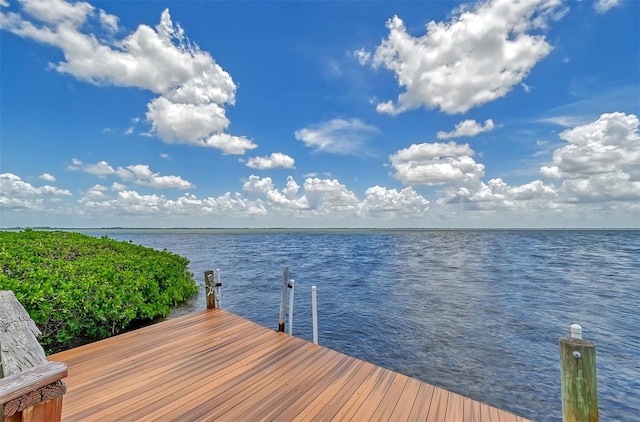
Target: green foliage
77, 287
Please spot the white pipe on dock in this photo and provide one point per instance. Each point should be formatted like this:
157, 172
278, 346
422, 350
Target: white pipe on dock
314, 314
285, 282
292, 284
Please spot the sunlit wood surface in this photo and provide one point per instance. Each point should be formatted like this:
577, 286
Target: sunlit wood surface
214, 365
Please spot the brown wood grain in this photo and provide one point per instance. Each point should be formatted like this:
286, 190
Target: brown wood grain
29, 380
214, 365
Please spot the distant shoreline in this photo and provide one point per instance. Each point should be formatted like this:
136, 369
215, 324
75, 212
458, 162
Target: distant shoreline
314, 229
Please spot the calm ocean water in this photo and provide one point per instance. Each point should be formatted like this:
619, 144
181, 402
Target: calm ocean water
478, 312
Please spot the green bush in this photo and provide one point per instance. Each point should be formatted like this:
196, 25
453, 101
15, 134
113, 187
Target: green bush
79, 288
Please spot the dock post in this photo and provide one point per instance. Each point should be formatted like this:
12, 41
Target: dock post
210, 288
578, 380
283, 298
314, 314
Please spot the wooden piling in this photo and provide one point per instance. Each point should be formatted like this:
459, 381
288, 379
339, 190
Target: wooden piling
578, 380
210, 288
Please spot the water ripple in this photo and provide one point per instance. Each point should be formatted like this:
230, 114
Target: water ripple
476, 312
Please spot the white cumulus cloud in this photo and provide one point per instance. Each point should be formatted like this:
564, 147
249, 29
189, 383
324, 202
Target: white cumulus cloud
285, 201
145, 177
497, 194
15, 193
475, 58
101, 169
139, 174
601, 160
118, 187
192, 88
436, 164
131, 203
467, 128
609, 144
382, 200
329, 195
229, 144
275, 160
47, 177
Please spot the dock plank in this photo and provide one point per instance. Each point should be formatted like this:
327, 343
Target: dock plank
214, 365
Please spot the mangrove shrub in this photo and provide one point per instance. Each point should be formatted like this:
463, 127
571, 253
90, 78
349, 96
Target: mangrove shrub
79, 288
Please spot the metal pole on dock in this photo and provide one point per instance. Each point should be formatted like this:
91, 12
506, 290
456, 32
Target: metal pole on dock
578, 380
314, 314
217, 287
285, 283
292, 284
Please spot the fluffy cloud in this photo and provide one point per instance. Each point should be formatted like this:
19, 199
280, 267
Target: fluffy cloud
101, 169
381, 200
326, 196
192, 88
275, 160
118, 187
58, 11
139, 174
285, 200
603, 6
436, 164
601, 161
496, 194
47, 177
323, 197
15, 193
467, 128
128, 203
229, 144
600, 164
475, 58
337, 136
145, 177
609, 144
96, 192
183, 122
613, 186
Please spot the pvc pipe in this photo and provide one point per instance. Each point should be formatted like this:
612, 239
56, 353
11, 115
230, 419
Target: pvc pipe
314, 314
576, 331
293, 286
285, 281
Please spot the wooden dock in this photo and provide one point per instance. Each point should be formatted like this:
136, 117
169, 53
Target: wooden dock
214, 365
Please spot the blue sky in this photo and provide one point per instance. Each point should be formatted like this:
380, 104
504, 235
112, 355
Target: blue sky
320, 114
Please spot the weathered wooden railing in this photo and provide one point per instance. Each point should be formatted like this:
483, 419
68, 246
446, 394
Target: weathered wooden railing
31, 387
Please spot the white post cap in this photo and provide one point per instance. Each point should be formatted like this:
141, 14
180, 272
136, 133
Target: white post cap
576, 331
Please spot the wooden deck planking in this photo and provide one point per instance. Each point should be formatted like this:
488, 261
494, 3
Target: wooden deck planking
325, 406
214, 365
195, 392
406, 401
153, 371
